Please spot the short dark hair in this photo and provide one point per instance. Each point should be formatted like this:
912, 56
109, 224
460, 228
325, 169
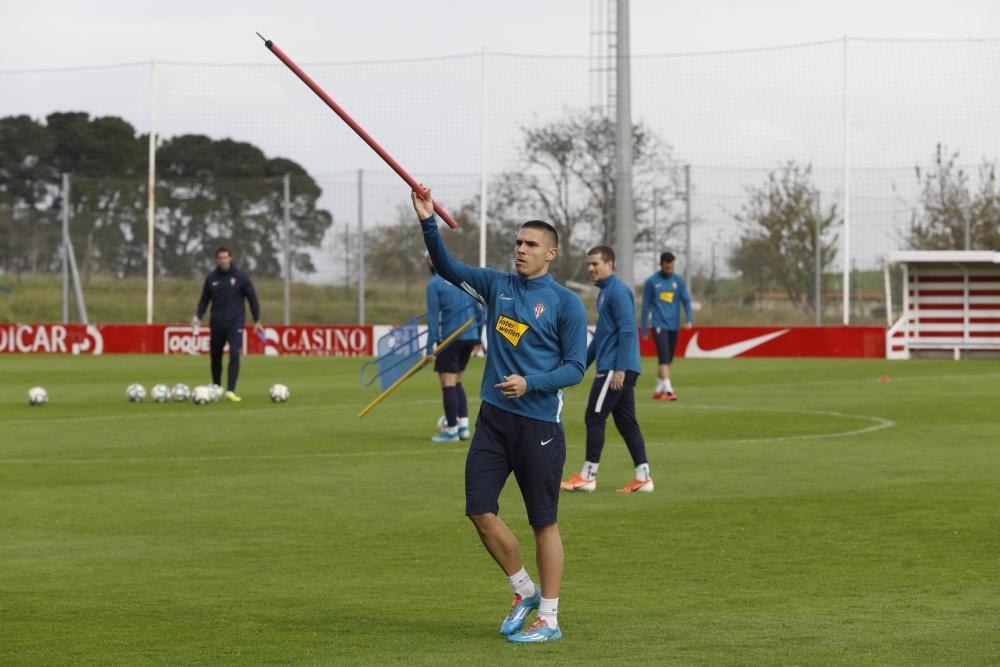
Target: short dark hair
666, 257
545, 227
606, 253
222, 249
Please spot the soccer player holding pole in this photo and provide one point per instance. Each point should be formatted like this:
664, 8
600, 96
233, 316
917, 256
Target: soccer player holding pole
615, 348
226, 287
537, 339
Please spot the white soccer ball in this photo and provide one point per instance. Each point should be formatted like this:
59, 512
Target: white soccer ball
135, 393
442, 424
180, 393
216, 392
160, 393
37, 396
278, 393
201, 395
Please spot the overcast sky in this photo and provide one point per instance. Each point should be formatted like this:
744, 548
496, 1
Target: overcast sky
56, 33
745, 110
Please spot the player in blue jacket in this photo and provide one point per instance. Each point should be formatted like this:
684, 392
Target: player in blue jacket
537, 339
226, 287
662, 297
615, 348
448, 308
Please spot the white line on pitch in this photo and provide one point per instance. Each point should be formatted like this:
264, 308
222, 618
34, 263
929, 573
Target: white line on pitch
201, 412
226, 457
879, 423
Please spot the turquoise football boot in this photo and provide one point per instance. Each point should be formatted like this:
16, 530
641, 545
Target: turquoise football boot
539, 631
519, 610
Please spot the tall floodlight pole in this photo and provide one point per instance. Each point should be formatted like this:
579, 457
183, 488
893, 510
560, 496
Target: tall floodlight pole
65, 248
287, 251
687, 220
624, 204
151, 194
847, 195
483, 135
361, 248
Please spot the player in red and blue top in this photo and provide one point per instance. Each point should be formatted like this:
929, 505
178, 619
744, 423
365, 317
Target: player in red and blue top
537, 341
662, 297
615, 349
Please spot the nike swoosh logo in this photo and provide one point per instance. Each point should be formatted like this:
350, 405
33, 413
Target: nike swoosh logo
545, 442
504, 297
695, 351
215, 283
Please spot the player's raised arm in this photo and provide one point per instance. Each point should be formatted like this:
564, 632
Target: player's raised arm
472, 280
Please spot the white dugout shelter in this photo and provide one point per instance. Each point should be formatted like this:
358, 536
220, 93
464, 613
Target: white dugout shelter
951, 305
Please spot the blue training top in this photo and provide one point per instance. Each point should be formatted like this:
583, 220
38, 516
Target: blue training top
662, 296
448, 308
226, 290
534, 328
615, 345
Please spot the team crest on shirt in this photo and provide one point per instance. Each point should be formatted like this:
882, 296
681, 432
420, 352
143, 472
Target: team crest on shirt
510, 329
539, 309
232, 281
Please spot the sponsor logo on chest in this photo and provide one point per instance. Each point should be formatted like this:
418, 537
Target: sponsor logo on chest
510, 329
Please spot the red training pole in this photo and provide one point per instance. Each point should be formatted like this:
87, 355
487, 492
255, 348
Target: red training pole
337, 109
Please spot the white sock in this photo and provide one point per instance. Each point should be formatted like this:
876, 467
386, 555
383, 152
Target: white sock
548, 611
661, 385
589, 470
522, 584
463, 422
667, 387
642, 472
451, 430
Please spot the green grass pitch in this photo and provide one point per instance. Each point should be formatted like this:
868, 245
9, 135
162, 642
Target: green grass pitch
805, 513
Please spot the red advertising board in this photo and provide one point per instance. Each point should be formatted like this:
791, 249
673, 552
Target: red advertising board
355, 341
337, 341
729, 342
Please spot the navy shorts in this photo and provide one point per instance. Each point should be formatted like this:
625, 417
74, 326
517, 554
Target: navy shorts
666, 344
455, 357
220, 336
533, 450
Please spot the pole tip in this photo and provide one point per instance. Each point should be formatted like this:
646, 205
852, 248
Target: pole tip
266, 41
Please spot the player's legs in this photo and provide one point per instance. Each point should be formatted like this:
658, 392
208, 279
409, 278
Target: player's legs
235, 337
599, 406
486, 470
449, 397
463, 402
446, 366
538, 457
666, 346
628, 426
217, 341
550, 558
626, 422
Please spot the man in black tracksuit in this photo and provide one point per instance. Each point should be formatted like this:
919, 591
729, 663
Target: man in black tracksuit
226, 287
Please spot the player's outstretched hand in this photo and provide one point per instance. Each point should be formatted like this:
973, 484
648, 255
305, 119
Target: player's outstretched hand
423, 204
513, 386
